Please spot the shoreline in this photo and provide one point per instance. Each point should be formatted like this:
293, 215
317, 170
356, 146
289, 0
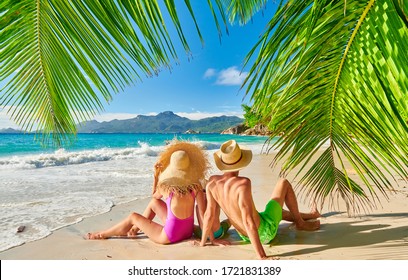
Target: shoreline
381, 234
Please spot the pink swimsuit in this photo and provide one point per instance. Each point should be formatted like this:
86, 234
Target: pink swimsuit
178, 229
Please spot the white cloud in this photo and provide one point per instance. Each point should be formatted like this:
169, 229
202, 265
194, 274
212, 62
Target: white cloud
201, 115
5, 121
196, 115
114, 116
210, 72
231, 77
226, 77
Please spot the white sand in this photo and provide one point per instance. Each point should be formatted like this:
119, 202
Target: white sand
381, 234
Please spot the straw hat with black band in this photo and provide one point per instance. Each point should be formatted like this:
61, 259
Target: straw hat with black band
232, 157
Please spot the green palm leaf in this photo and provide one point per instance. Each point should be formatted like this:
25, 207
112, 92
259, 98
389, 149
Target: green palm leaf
61, 58
242, 11
333, 75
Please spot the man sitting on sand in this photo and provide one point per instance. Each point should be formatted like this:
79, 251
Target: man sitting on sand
233, 194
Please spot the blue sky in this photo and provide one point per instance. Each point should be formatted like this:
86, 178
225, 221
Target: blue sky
208, 84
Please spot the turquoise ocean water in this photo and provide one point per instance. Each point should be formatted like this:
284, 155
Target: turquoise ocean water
46, 189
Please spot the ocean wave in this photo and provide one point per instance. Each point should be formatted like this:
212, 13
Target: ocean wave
37, 225
207, 145
62, 157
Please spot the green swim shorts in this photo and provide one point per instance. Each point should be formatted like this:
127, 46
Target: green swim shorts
270, 219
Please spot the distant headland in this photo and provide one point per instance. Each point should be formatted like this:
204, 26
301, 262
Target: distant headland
166, 122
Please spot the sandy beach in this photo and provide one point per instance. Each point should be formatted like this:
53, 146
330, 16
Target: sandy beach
380, 234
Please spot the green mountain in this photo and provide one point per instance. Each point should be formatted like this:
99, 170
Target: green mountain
166, 122
10, 131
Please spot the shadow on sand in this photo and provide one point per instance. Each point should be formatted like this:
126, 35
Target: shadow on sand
391, 240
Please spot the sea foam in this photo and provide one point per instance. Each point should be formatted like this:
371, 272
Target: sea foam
62, 157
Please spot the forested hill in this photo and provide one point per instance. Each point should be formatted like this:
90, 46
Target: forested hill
166, 122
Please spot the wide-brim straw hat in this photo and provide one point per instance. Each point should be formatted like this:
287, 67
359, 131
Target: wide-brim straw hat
232, 157
185, 166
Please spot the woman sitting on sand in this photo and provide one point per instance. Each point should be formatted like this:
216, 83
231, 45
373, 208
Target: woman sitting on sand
179, 172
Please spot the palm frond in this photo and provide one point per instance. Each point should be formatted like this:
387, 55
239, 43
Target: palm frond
62, 58
243, 11
332, 75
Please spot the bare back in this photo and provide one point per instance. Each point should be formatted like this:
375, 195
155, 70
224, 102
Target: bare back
233, 194
182, 206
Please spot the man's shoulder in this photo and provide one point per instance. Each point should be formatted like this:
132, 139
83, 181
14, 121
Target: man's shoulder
243, 178
213, 180
240, 180
220, 180
215, 177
